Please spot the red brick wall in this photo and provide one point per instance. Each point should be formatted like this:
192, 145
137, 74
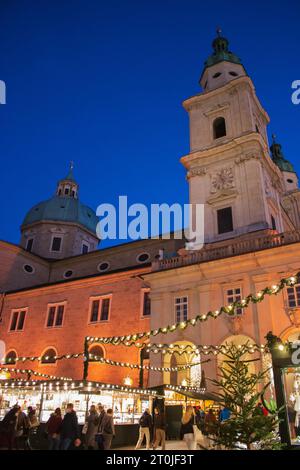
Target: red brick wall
125, 318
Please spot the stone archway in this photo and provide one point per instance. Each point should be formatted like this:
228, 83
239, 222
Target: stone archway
192, 375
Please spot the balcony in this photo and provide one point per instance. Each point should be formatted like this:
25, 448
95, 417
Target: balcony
232, 248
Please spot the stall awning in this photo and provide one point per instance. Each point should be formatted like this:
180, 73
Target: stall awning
194, 395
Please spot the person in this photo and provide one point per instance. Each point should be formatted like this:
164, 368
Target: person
53, 427
22, 429
107, 429
69, 433
33, 424
145, 428
210, 423
224, 414
98, 435
159, 425
9, 425
187, 430
91, 428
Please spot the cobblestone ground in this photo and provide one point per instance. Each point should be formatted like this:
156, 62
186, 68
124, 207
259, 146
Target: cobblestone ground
170, 445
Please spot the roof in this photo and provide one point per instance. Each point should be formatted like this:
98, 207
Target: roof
62, 209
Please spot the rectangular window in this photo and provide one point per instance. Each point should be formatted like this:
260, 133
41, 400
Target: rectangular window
56, 243
293, 294
55, 315
29, 244
85, 248
225, 221
105, 309
273, 221
17, 320
181, 309
146, 304
100, 309
234, 295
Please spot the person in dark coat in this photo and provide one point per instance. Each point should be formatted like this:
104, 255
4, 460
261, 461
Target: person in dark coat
145, 428
107, 429
9, 426
69, 432
22, 430
53, 428
159, 425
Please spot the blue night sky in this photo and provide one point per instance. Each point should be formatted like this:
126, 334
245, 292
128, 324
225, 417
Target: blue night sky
101, 83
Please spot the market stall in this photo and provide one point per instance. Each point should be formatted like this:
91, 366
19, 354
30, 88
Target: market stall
45, 396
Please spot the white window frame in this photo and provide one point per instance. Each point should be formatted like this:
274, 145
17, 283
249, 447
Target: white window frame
100, 298
61, 244
234, 296
56, 305
182, 303
295, 296
144, 290
14, 310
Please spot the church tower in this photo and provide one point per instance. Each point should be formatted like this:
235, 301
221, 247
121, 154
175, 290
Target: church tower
62, 226
229, 168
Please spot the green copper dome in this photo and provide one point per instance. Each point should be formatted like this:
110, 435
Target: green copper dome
63, 209
221, 52
279, 159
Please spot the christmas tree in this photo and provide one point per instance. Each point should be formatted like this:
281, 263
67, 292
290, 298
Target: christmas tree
240, 391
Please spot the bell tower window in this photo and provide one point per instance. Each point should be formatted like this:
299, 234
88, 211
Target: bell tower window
273, 222
219, 128
225, 221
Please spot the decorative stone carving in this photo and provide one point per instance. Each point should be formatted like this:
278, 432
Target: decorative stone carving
235, 324
197, 171
223, 179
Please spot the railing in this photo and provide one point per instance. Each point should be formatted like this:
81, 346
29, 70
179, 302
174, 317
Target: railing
233, 248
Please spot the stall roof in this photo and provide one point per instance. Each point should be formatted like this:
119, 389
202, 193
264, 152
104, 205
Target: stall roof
188, 393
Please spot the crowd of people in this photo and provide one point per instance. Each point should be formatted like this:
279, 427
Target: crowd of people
18, 427
197, 429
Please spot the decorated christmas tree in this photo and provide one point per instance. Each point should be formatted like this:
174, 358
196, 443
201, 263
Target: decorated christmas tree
240, 391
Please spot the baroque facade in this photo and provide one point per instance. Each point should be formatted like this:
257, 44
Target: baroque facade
57, 287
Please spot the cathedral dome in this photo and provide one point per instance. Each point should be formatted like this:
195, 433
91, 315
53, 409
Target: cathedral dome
278, 157
62, 209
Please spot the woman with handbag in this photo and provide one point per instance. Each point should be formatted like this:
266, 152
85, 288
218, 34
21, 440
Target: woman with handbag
187, 430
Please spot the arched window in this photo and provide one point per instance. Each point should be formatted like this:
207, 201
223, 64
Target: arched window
97, 352
10, 358
49, 356
219, 127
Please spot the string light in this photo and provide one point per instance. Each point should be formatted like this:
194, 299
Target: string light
32, 372
229, 310
144, 367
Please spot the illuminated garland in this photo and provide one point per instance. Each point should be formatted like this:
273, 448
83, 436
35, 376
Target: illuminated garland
146, 367
86, 386
128, 340
40, 358
32, 372
197, 350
